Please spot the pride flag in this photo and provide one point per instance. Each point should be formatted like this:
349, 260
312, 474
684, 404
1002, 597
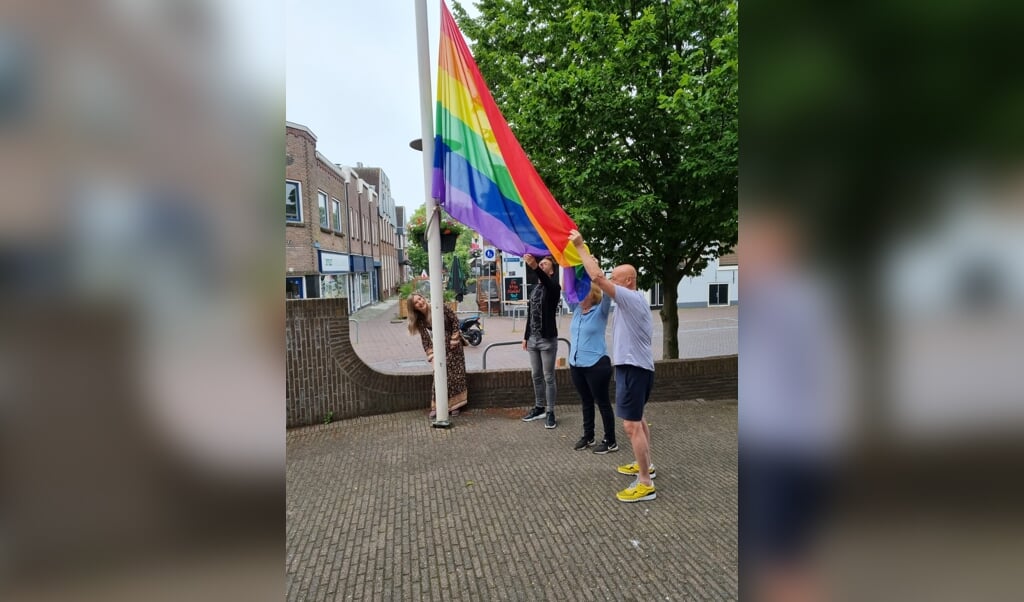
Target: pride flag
483, 178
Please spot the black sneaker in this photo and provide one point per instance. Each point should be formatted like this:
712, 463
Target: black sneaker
583, 443
550, 422
534, 414
604, 447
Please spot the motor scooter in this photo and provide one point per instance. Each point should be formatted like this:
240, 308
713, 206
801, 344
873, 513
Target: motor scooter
472, 330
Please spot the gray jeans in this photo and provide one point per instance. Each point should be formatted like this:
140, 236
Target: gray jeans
542, 365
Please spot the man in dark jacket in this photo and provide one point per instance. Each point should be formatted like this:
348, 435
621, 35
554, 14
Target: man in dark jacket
540, 338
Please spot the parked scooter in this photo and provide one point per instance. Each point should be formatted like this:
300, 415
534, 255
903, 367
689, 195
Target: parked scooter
472, 330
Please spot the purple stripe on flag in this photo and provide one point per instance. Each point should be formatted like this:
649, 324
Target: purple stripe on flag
460, 205
462, 209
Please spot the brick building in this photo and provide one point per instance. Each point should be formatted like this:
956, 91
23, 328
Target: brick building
404, 271
339, 236
386, 225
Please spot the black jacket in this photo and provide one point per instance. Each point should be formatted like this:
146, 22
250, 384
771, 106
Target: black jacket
552, 295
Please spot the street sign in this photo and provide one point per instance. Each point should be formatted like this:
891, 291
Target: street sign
490, 254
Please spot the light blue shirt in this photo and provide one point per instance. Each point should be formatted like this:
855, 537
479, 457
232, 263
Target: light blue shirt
586, 333
632, 330
794, 347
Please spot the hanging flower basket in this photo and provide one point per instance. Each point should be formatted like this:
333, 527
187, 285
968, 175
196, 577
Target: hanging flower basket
447, 243
450, 231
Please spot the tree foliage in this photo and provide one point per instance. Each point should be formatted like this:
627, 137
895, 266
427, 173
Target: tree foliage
418, 256
629, 112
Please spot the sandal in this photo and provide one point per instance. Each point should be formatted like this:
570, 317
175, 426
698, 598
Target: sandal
432, 414
454, 413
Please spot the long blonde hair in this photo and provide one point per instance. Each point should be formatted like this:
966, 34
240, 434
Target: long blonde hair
415, 318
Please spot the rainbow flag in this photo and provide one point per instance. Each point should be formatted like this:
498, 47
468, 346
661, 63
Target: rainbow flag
483, 178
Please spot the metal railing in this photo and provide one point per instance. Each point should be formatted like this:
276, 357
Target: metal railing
515, 310
568, 348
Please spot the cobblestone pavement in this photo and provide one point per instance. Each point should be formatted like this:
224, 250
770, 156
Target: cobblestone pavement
388, 508
384, 343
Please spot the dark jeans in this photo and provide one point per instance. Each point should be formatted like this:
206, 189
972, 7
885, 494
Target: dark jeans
592, 385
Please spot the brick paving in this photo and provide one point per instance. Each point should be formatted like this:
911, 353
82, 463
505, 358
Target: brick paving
384, 343
388, 508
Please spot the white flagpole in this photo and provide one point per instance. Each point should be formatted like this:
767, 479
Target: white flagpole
433, 223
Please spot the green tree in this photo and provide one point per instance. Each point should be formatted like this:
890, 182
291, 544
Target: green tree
418, 255
629, 111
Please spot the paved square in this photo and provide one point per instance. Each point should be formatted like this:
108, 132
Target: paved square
388, 508
385, 345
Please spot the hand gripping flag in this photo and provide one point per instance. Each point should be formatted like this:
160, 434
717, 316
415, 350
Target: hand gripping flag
483, 178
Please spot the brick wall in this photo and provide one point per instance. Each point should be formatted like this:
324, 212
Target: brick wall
705, 378
300, 256
315, 173
324, 374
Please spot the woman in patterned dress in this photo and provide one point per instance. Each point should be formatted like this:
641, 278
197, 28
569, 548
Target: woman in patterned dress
455, 359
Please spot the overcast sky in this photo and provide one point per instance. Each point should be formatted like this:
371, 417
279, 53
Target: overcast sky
352, 79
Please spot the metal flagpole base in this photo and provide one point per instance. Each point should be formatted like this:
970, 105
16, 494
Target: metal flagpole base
440, 424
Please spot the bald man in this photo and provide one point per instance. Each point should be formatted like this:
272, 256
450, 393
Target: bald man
633, 358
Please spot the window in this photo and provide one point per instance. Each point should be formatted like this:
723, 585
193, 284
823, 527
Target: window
718, 294
292, 201
336, 214
333, 286
351, 222
293, 288
365, 282
657, 296
321, 202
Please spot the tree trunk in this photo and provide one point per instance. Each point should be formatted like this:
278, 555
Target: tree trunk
669, 312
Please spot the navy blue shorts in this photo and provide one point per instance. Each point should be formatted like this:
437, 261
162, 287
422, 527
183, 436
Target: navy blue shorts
782, 501
632, 390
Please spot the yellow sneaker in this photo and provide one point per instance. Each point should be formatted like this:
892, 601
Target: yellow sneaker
638, 492
632, 469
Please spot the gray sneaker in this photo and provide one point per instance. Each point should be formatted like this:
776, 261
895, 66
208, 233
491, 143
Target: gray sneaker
604, 447
550, 422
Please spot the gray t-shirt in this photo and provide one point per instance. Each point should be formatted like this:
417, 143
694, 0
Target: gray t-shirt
632, 330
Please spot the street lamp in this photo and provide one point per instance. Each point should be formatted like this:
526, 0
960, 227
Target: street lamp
417, 144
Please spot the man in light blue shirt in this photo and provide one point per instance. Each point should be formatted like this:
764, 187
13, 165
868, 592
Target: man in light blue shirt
633, 358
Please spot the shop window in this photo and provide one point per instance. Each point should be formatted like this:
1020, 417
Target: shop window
333, 286
312, 286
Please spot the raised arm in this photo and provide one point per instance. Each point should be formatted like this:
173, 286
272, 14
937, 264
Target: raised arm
546, 281
595, 272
